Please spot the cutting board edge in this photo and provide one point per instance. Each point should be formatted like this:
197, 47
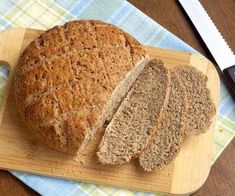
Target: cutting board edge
76, 179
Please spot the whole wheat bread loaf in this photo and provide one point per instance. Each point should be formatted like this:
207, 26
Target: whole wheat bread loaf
71, 79
167, 140
136, 120
201, 108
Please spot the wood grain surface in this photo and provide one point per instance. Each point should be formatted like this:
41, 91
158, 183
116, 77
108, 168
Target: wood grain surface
170, 15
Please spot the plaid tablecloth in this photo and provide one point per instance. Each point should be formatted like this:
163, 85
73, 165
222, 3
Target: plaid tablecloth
47, 13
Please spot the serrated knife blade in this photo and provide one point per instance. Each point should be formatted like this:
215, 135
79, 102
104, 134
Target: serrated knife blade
213, 39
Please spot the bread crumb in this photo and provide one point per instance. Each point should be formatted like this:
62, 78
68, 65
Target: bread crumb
132, 126
168, 137
201, 108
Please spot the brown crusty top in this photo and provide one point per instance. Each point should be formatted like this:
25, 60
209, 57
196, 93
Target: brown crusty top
66, 76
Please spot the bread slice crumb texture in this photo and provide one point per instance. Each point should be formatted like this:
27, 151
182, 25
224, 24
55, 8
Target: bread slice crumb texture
201, 108
168, 137
132, 127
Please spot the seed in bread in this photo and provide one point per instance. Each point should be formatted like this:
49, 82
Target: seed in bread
132, 127
167, 140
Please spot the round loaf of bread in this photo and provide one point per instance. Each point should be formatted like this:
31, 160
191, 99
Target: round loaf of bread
70, 80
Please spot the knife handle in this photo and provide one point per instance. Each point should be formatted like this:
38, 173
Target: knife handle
229, 74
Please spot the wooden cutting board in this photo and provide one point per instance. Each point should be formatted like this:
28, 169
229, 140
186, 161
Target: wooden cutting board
19, 150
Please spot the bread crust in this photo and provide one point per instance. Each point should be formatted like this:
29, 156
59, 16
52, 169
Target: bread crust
66, 76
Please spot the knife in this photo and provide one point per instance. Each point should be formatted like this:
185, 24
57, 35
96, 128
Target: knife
216, 44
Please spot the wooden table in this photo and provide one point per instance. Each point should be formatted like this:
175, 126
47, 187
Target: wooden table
169, 14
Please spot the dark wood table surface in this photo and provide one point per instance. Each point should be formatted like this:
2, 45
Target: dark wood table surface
169, 14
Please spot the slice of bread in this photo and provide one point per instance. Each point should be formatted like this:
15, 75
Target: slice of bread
132, 127
70, 80
168, 137
201, 108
